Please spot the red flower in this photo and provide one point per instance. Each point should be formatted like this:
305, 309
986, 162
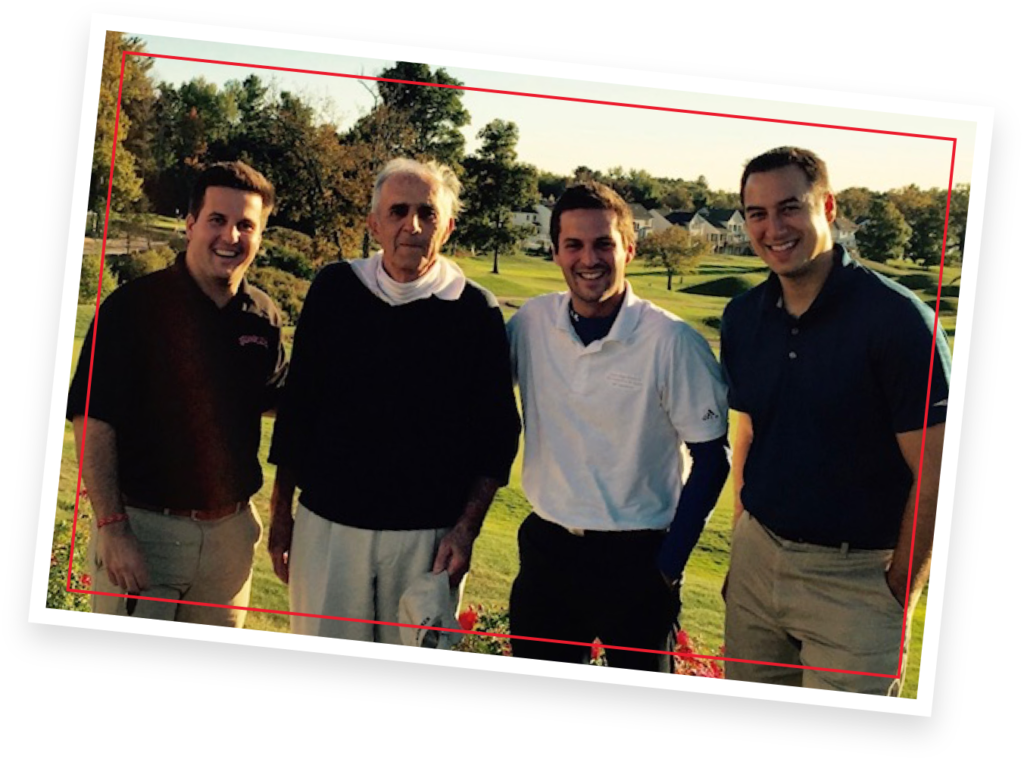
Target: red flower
86, 581
683, 644
467, 619
595, 650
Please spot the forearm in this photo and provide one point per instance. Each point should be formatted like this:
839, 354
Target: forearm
697, 501
97, 455
283, 494
912, 556
481, 495
741, 447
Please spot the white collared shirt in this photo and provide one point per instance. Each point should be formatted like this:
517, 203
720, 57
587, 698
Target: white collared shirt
604, 424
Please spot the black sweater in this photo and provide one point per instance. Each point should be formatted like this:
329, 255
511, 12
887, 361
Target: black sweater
391, 413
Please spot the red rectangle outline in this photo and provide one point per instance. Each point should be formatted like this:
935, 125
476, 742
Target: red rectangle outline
103, 251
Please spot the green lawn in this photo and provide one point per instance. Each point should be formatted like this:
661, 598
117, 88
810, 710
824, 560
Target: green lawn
697, 298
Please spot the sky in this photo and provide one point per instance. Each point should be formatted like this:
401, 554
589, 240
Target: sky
558, 136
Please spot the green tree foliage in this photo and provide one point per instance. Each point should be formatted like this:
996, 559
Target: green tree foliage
436, 113
886, 233
958, 216
496, 185
90, 279
854, 203
192, 127
925, 212
135, 91
673, 250
551, 185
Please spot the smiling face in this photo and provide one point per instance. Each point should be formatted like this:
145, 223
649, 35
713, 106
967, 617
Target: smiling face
412, 222
223, 240
788, 222
593, 258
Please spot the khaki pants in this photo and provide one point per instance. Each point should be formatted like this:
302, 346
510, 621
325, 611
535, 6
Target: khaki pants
189, 562
791, 603
355, 576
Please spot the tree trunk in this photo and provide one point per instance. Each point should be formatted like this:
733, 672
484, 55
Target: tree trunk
669, 286
494, 270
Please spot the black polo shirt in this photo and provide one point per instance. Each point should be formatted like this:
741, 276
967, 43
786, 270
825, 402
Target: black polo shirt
183, 383
827, 393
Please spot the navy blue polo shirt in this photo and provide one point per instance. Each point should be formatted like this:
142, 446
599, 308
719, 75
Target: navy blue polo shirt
827, 393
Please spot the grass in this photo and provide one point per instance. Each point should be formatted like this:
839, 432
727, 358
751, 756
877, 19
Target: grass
698, 298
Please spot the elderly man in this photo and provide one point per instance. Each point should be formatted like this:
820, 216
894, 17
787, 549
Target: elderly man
613, 388
840, 387
186, 359
398, 422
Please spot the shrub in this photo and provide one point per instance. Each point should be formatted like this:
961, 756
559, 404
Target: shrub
286, 259
287, 291
90, 278
128, 267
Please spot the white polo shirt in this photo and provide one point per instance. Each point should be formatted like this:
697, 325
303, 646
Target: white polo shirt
604, 423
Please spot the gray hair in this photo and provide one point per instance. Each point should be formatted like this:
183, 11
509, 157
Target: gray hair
430, 171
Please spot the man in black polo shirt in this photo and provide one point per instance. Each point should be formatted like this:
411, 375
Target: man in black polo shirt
840, 388
166, 402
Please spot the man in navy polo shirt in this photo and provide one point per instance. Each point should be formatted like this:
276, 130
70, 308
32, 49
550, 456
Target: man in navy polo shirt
840, 386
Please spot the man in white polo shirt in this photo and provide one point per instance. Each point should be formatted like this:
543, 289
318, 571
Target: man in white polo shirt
612, 389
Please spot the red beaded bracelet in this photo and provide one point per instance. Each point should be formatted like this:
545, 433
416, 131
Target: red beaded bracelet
111, 519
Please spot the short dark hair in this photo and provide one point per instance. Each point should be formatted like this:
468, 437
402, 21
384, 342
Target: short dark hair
231, 174
593, 195
808, 162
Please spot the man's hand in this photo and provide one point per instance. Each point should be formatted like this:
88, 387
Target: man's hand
454, 554
280, 543
121, 556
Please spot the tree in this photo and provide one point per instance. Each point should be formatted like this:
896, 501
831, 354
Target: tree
854, 203
436, 113
885, 234
958, 215
193, 126
925, 212
496, 184
673, 250
124, 186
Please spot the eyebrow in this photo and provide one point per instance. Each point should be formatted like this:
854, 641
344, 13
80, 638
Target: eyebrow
755, 208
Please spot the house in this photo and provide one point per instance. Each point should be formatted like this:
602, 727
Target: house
844, 231
643, 221
538, 218
722, 227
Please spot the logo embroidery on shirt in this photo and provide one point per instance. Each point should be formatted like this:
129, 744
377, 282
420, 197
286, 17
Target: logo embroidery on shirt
941, 403
261, 340
624, 380
710, 415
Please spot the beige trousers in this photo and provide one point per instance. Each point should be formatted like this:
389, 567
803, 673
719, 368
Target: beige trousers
811, 606
189, 563
351, 579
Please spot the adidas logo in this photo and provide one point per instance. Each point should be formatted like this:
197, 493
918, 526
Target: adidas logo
710, 415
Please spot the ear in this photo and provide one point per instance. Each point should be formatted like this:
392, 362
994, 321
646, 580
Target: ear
830, 207
630, 253
371, 223
190, 222
448, 231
